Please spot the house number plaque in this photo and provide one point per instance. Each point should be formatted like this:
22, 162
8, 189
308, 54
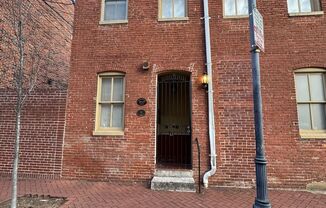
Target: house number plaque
141, 101
141, 113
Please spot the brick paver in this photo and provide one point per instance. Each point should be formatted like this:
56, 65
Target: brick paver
101, 194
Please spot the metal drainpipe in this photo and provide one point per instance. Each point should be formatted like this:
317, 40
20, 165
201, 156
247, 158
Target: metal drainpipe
211, 121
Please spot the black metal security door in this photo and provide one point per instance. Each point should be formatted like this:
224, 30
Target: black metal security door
173, 147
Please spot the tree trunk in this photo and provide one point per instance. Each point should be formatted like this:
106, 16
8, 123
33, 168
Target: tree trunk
19, 85
16, 156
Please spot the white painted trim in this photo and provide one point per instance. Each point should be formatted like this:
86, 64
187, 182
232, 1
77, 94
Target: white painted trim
310, 134
108, 133
310, 70
173, 19
155, 127
105, 22
316, 13
236, 17
313, 134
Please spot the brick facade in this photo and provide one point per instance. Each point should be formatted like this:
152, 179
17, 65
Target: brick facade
291, 43
128, 157
292, 161
44, 110
42, 131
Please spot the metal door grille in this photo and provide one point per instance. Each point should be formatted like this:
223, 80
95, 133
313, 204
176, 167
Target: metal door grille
174, 121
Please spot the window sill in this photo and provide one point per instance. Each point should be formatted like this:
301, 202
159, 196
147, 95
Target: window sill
173, 19
109, 22
306, 14
313, 134
108, 133
236, 17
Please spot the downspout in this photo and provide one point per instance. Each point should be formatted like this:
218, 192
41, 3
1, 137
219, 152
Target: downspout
211, 121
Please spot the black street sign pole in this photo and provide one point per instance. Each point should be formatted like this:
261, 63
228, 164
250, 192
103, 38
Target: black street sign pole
261, 200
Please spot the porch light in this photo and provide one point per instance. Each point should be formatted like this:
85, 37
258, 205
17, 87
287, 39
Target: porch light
145, 66
204, 80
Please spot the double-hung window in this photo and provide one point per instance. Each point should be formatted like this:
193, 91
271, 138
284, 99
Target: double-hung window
311, 101
110, 104
303, 6
114, 11
172, 9
235, 8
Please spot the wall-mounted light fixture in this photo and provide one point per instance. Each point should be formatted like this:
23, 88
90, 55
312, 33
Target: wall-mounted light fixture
204, 81
145, 66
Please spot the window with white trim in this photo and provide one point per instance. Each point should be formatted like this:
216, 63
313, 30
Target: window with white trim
311, 99
110, 104
233, 8
303, 6
172, 9
114, 10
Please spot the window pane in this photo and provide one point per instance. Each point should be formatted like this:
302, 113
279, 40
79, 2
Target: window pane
118, 89
293, 6
115, 10
179, 8
109, 12
315, 5
166, 8
106, 89
105, 115
242, 7
301, 86
316, 87
318, 116
304, 116
121, 11
305, 6
117, 115
229, 7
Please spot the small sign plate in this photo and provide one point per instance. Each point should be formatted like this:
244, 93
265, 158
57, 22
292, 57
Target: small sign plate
141, 101
259, 29
141, 113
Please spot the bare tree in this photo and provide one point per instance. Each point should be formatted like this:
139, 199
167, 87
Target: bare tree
24, 63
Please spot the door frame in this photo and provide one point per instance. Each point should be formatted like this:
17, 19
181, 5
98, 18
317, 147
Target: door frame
189, 74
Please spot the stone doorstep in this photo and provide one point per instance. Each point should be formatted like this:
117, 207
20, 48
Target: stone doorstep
173, 180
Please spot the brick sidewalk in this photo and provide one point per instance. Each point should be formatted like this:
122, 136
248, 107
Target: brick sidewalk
100, 194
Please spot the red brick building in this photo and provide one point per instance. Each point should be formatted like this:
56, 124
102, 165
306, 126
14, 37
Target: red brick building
43, 115
111, 135
135, 103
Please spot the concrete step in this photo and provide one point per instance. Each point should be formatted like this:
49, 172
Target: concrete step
174, 173
173, 180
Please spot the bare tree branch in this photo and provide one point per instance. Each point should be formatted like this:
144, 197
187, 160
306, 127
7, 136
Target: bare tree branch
26, 63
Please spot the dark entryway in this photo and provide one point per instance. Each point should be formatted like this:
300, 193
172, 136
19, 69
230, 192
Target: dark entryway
173, 149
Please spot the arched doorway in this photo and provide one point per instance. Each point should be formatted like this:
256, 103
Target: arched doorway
173, 140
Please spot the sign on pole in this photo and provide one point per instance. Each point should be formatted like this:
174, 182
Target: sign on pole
258, 29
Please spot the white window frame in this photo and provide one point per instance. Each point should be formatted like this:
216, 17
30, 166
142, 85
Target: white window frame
103, 21
304, 133
108, 130
160, 18
312, 13
236, 16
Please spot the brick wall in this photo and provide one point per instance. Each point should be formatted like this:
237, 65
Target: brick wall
293, 161
179, 45
42, 130
291, 43
47, 25
44, 110
98, 48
